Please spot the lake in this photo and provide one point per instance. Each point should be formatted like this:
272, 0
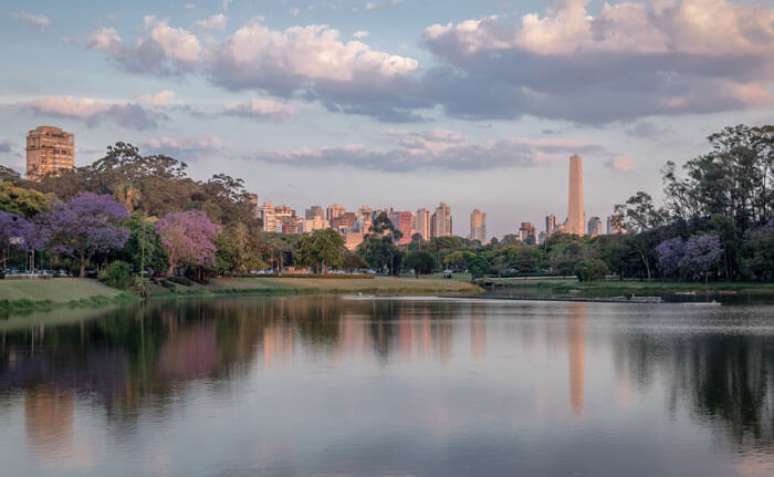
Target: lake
329, 386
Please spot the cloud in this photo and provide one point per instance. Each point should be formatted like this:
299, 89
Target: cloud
436, 150
294, 12
360, 35
627, 61
39, 21
94, 111
164, 50
190, 148
261, 110
214, 22
226, 4
621, 164
162, 98
647, 130
5, 147
373, 6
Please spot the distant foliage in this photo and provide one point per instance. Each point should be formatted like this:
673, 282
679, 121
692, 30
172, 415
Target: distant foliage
670, 256
117, 275
702, 255
591, 270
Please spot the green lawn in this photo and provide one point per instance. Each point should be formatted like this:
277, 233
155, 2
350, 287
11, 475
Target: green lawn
375, 285
58, 290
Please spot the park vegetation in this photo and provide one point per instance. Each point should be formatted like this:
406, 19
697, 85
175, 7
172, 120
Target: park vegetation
128, 216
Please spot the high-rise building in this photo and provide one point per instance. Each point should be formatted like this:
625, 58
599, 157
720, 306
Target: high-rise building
268, 219
423, 223
334, 211
551, 225
441, 223
527, 233
50, 150
576, 215
595, 227
478, 226
314, 211
403, 221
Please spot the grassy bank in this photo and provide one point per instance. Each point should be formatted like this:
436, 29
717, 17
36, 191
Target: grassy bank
612, 288
380, 285
30, 295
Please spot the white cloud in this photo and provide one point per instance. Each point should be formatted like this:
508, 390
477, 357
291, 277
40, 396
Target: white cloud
261, 109
95, 111
177, 43
183, 147
214, 22
39, 21
294, 12
226, 4
162, 98
360, 35
621, 164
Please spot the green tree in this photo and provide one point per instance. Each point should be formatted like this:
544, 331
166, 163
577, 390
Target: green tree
421, 262
321, 250
591, 270
20, 200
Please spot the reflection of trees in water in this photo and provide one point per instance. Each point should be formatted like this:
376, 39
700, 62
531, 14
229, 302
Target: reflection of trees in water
724, 377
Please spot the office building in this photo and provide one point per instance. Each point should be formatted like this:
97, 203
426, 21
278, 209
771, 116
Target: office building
422, 225
50, 151
552, 226
313, 212
334, 211
576, 215
528, 233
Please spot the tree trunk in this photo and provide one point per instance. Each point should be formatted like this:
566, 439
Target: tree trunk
171, 267
83, 265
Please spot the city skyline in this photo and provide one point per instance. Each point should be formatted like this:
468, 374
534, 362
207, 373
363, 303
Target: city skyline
314, 102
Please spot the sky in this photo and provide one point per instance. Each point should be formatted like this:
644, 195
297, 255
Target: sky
394, 103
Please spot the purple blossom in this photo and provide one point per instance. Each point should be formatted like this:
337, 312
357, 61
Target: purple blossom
86, 225
670, 254
188, 237
16, 232
702, 255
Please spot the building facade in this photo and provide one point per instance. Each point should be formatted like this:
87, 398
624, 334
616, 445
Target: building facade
441, 223
595, 227
403, 221
422, 225
552, 225
478, 226
50, 150
576, 215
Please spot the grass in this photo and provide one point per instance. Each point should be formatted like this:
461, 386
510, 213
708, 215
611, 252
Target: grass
609, 288
380, 285
20, 296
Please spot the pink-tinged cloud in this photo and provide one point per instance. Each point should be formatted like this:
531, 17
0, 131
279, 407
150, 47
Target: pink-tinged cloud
95, 111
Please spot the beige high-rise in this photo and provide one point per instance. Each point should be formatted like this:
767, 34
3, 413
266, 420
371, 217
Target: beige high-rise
478, 226
576, 215
441, 224
423, 223
50, 150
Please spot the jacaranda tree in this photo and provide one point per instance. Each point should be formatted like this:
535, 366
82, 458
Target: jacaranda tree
16, 233
188, 238
86, 225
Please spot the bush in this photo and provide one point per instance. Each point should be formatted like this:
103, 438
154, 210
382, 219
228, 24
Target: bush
117, 275
184, 281
591, 270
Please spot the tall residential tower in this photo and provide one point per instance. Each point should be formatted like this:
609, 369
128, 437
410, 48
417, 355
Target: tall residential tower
50, 150
478, 226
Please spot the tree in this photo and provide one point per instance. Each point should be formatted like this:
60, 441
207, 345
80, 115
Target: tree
702, 255
86, 225
188, 238
16, 233
759, 250
638, 216
378, 248
20, 200
239, 250
321, 250
420, 261
144, 249
478, 266
670, 254
591, 270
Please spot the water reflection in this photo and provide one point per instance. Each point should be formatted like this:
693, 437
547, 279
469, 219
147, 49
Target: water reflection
321, 385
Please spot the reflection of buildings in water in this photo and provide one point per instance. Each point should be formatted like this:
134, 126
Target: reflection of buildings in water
477, 336
576, 338
279, 342
48, 417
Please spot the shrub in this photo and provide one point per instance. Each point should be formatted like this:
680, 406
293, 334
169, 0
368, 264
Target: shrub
591, 270
117, 275
180, 280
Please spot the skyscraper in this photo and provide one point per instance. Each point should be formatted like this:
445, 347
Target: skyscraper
423, 223
551, 225
314, 212
403, 221
595, 227
576, 215
50, 150
334, 211
441, 225
527, 233
478, 226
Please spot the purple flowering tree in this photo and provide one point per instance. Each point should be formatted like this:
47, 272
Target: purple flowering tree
670, 253
188, 238
702, 255
86, 225
16, 233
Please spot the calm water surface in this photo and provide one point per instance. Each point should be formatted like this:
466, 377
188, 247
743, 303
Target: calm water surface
299, 386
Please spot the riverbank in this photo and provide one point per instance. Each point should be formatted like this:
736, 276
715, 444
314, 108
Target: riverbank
557, 289
17, 296
270, 285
